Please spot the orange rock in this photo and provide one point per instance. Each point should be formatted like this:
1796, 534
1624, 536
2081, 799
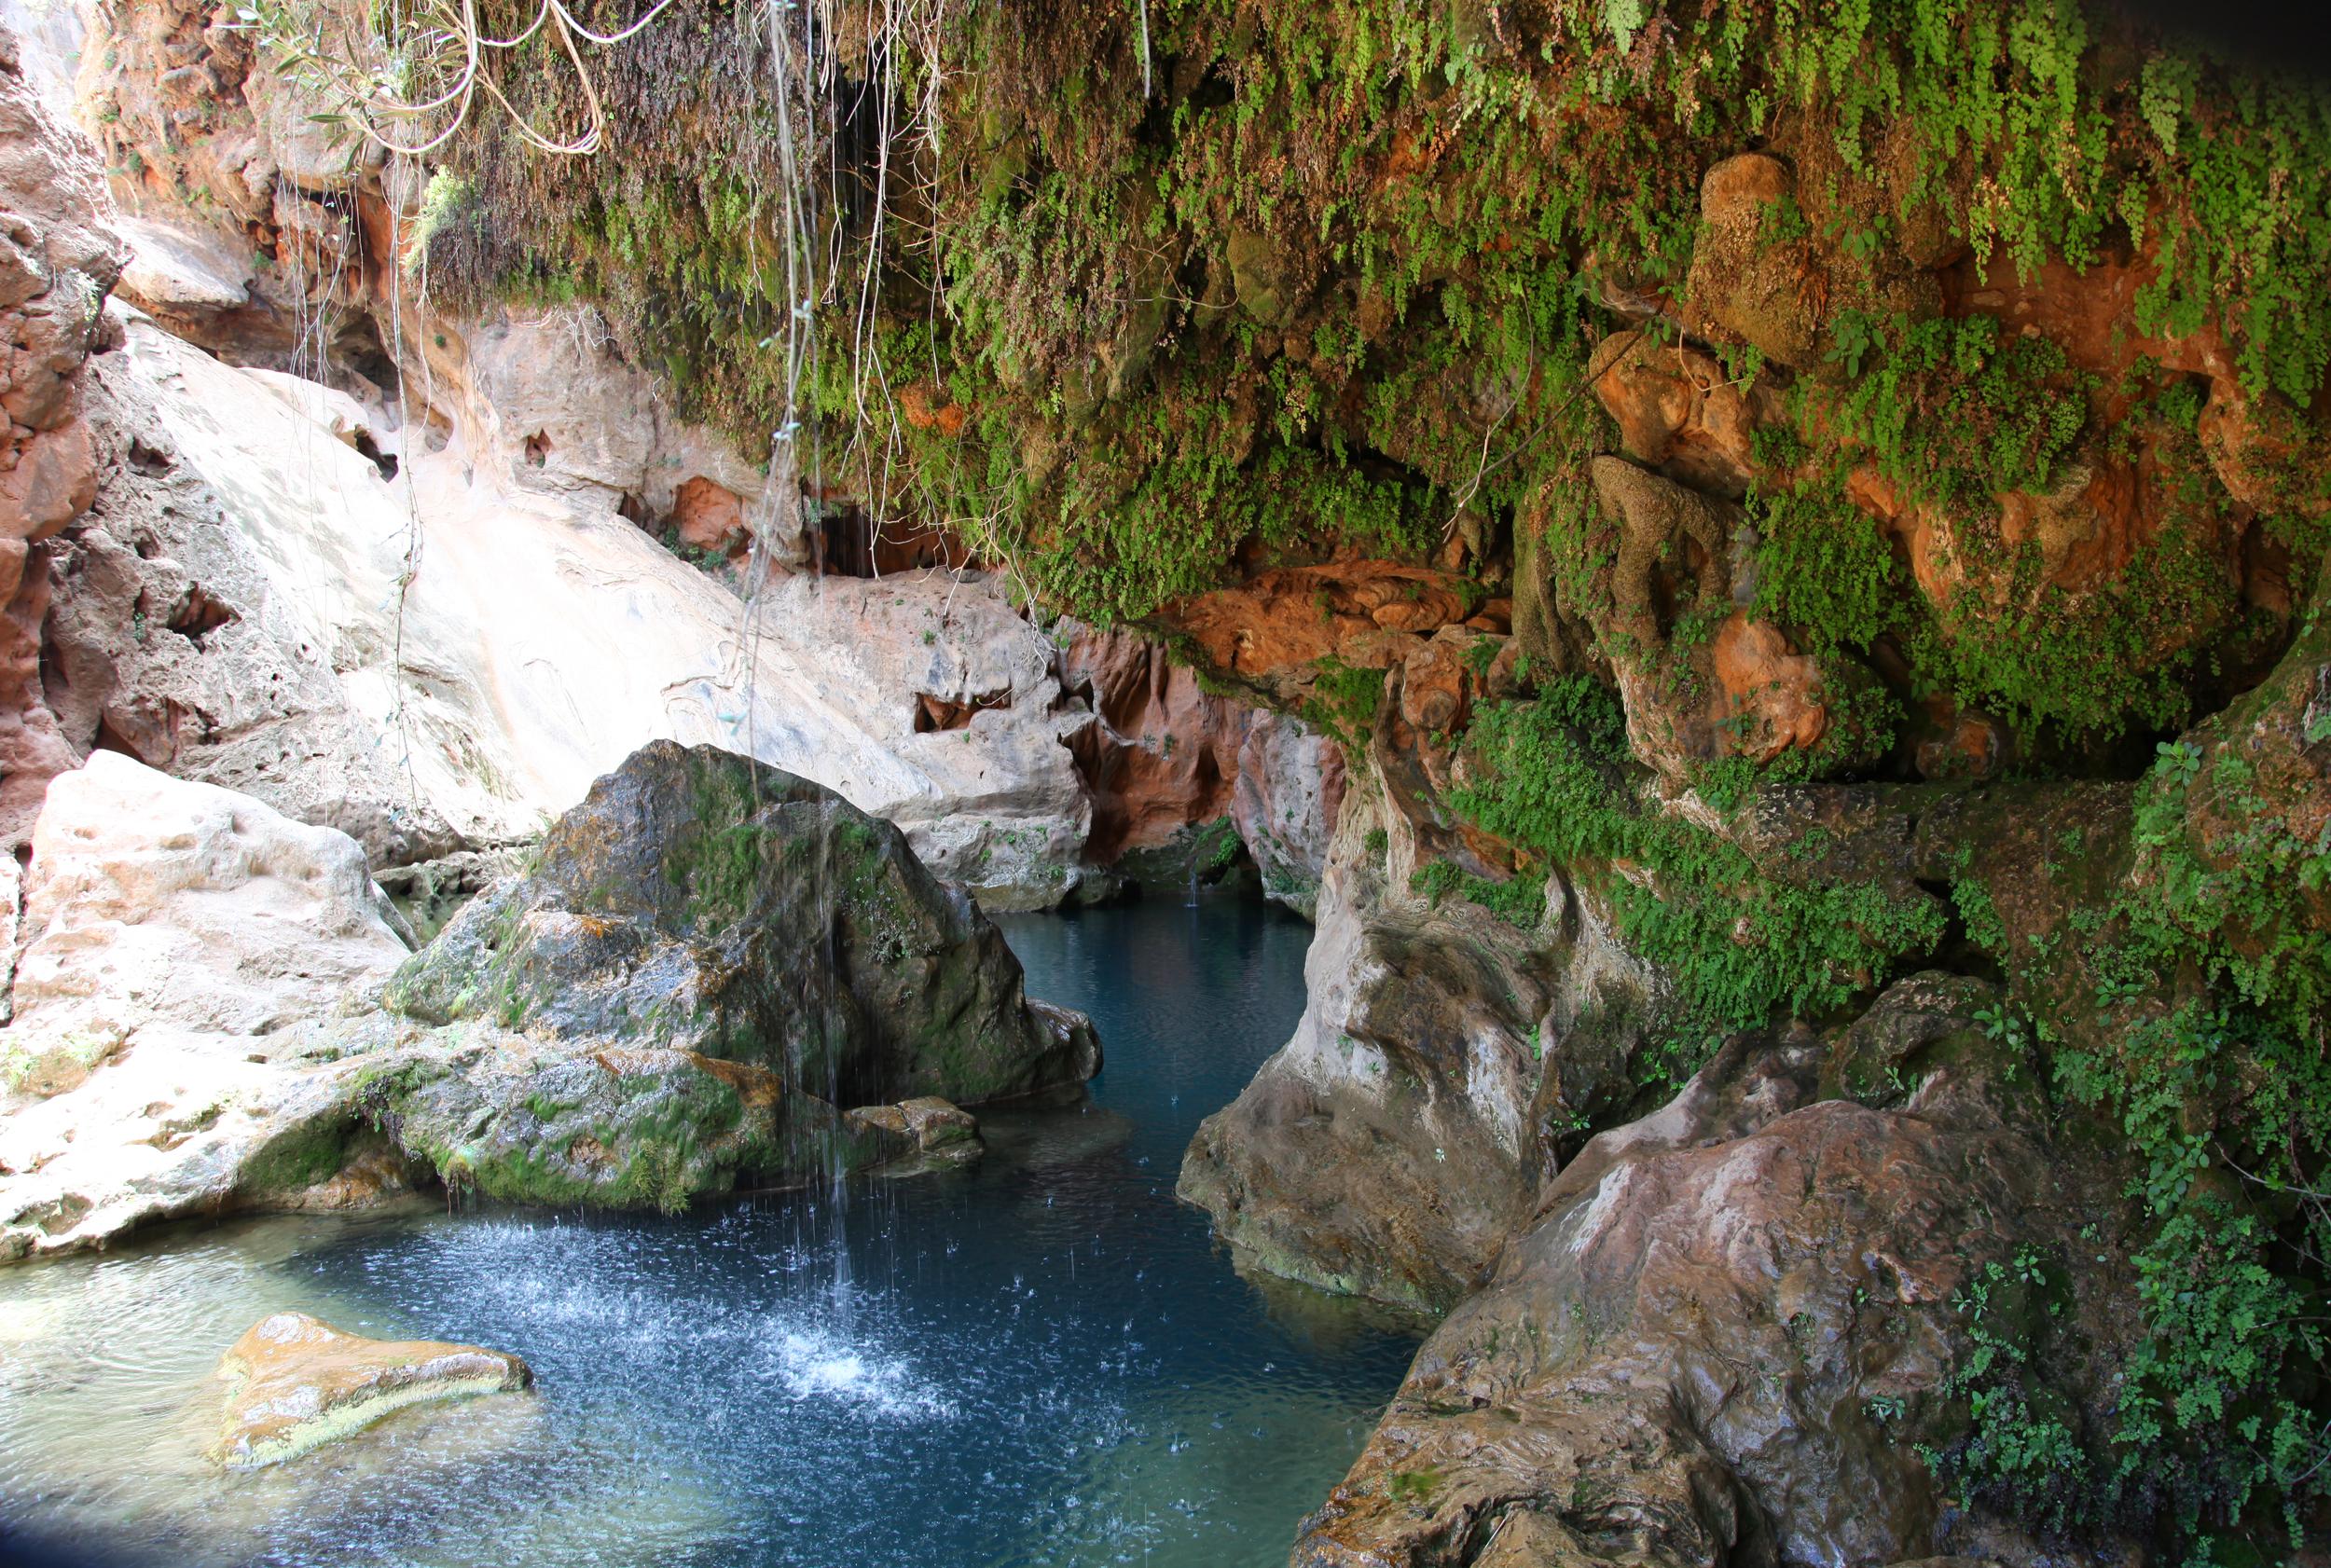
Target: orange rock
1949, 741
920, 404
1775, 690
1433, 682
2089, 312
295, 1382
2257, 446
1677, 410
1924, 533
1768, 292
1279, 623
708, 515
1164, 752
53, 482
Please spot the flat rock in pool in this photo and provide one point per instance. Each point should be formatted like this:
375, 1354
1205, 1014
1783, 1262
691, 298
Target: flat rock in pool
295, 1382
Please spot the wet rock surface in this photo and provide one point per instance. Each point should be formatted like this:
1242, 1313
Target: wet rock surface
295, 1382
923, 1134
1185, 782
705, 902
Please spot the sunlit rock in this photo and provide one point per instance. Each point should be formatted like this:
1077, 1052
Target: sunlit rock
179, 936
295, 1382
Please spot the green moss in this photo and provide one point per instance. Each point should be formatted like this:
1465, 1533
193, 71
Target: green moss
309, 1152
1326, 291
1736, 944
1342, 703
1823, 569
1519, 900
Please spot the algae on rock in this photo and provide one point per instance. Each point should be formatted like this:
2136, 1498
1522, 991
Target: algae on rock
698, 901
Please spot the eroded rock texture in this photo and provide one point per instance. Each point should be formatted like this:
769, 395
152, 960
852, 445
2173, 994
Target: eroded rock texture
1181, 778
56, 259
1771, 504
1722, 1328
421, 577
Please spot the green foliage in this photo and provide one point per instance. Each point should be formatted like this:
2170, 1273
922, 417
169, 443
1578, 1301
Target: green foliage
1737, 943
1953, 415
2204, 1045
1519, 900
442, 201
1342, 703
1823, 569
1323, 288
2020, 1450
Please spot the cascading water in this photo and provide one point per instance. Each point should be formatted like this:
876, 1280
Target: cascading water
1042, 1360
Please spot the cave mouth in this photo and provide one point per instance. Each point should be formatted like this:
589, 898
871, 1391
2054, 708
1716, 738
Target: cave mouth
850, 540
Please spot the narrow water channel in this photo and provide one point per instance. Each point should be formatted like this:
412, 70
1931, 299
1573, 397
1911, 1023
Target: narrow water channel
1040, 1361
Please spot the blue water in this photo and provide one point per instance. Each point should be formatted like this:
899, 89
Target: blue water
1042, 1360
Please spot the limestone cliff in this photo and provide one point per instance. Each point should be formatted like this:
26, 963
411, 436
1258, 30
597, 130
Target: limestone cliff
1806, 527
421, 574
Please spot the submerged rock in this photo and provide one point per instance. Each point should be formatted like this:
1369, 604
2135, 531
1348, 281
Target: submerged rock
295, 1382
926, 1131
700, 902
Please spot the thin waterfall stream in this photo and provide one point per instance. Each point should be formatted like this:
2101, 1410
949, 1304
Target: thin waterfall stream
1042, 1359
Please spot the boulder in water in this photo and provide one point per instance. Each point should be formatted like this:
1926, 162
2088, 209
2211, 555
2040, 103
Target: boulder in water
698, 901
524, 1121
295, 1382
926, 1131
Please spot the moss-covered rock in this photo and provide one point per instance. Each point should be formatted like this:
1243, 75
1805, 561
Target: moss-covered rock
701, 903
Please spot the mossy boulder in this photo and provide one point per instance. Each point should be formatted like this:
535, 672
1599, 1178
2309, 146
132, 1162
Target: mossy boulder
702, 902
517, 1120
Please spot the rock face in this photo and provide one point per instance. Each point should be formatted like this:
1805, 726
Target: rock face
295, 1382
235, 617
227, 614
1388, 1149
1709, 1343
703, 903
522, 1119
1289, 791
177, 934
668, 1004
929, 1133
1174, 771
57, 260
